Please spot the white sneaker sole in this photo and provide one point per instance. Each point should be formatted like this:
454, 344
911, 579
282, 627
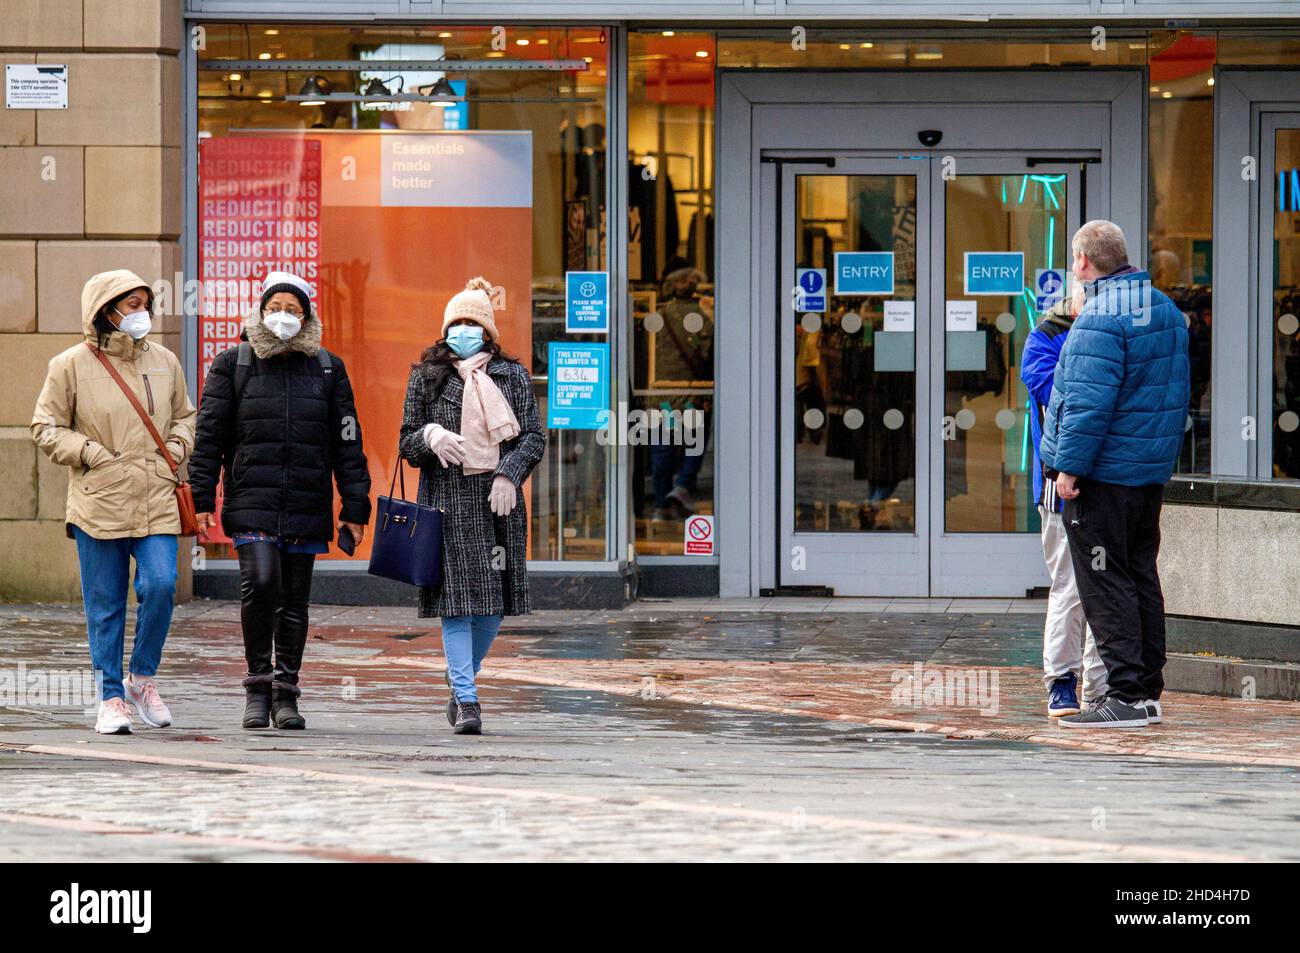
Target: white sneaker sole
1106, 724
123, 730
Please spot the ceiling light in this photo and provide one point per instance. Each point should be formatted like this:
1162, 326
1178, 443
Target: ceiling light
444, 88
866, 46
1166, 95
314, 87
522, 41
668, 33
272, 32
702, 54
236, 77
263, 56
375, 88
1210, 81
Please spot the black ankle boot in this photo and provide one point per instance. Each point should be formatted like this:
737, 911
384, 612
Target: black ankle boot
284, 707
257, 702
469, 718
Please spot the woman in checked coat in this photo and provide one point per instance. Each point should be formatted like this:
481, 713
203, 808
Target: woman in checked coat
472, 426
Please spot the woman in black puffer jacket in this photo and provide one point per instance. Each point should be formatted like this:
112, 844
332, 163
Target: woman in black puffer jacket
278, 417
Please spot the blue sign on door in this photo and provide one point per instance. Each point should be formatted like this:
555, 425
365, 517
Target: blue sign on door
810, 294
1049, 285
586, 302
864, 272
995, 272
577, 385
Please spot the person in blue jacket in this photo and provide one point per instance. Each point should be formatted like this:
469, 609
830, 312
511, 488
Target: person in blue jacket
1112, 435
1068, 643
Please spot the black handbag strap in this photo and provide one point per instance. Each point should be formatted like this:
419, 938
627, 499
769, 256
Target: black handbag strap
398, 473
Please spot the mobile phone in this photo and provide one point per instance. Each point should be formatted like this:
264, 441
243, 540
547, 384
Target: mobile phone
347, 542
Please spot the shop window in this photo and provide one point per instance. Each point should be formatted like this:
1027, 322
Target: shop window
1180, 207
671, 279
464, 151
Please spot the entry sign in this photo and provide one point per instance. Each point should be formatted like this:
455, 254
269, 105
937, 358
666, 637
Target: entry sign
995, 272
36, 86
698, 538
586, 302
577, 385
864, 272
1049, 287
810, 294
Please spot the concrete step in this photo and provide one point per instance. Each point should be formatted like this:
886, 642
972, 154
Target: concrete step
1232, 677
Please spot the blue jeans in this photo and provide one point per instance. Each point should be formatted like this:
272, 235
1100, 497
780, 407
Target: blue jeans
465, 641
105, 570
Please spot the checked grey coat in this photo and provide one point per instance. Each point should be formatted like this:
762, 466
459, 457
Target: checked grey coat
470, 584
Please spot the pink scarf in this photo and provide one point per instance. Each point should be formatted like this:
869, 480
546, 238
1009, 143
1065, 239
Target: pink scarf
485, 416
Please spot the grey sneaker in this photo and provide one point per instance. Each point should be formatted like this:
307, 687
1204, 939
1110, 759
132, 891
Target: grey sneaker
1155, 714
451, 701
1112, 713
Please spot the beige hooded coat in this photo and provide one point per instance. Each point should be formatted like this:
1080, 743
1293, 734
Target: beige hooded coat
120, 486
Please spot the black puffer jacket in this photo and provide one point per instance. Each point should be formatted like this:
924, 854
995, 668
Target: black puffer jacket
281, 442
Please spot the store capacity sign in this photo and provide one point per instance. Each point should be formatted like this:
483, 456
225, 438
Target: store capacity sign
259, 211
577, 386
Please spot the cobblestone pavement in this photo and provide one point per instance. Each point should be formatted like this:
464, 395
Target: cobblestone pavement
754, 742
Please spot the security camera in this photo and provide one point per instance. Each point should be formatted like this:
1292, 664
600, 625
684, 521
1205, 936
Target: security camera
930, 137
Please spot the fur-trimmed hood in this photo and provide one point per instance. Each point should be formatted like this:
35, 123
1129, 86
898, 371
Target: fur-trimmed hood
266, 344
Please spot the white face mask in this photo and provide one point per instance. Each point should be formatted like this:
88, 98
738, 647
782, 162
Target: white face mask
282, 324
136, 324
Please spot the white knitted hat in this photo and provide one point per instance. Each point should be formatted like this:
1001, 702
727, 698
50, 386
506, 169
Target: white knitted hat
474, 304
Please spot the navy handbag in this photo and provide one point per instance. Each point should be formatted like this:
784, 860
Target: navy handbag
408, 538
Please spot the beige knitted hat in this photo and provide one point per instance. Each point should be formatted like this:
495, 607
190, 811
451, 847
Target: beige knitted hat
474, 304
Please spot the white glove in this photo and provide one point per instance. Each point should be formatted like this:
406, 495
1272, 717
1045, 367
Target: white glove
445, 444
503, 496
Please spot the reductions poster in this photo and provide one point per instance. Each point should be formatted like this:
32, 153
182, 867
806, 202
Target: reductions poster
386, 226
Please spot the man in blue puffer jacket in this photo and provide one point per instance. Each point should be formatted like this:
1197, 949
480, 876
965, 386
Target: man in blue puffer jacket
1112, 434
1069, 648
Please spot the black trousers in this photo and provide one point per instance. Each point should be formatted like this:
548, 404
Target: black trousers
1114, 534
274, 592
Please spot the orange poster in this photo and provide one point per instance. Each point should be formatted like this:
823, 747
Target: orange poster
404, 220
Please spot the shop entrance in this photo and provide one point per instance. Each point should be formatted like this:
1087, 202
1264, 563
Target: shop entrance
904, 252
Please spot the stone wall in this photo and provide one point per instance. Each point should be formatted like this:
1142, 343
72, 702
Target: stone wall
1231, 563
86, 189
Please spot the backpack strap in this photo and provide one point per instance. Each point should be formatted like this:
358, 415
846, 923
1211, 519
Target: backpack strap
243, 364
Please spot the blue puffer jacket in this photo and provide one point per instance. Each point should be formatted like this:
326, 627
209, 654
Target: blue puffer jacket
1122, 387
1038, 369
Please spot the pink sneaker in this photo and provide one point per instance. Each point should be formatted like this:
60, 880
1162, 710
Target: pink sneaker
114, 718
143, 694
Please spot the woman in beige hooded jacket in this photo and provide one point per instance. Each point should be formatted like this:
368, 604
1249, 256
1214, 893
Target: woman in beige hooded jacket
121, 493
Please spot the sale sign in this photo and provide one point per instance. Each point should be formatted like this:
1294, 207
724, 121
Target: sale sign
259, 211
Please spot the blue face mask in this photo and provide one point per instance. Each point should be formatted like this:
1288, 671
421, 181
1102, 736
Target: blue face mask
465, 339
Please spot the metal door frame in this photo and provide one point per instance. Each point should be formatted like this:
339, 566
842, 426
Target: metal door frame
896, 562
794, 114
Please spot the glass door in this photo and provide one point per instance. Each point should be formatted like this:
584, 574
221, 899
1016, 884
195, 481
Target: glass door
853, 449
908, 287
1001, 240
1278, 316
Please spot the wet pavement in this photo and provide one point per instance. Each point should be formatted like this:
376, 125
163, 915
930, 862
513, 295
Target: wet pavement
660, 733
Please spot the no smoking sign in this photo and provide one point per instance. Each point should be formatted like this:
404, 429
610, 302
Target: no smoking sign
698, 538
